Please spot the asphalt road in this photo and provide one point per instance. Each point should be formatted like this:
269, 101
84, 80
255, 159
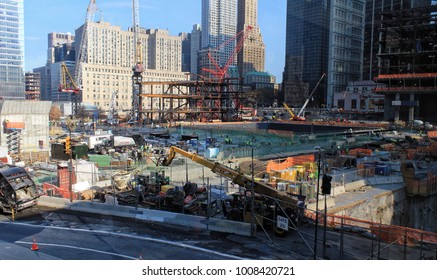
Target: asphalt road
60, 234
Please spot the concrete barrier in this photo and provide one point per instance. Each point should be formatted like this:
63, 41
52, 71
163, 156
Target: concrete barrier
148, 215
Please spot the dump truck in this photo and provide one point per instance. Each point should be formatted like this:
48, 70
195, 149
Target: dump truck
17, 189
268, 205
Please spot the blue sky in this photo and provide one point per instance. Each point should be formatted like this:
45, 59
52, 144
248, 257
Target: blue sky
44, 16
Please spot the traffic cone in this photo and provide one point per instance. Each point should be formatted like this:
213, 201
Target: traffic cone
34, 246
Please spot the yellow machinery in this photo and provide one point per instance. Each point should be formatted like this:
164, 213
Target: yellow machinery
266, 208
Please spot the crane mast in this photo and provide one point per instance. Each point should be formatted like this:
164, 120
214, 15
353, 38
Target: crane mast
112, 108
138, 67
82, 54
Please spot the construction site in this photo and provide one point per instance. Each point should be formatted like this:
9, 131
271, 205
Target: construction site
192, 153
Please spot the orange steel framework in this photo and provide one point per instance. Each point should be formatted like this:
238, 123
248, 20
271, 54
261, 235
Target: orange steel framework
200, 100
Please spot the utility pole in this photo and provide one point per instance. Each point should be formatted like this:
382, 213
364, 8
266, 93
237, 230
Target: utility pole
252, 200
317, 206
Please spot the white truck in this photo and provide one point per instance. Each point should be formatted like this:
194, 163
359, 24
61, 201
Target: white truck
92, 140
116, 143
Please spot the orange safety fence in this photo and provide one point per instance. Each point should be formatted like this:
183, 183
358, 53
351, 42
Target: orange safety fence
387, 233
360, 152
289, 162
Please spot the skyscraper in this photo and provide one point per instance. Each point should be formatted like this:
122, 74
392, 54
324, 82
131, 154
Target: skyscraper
219, 25
196, 39
12, 49
252, 55
323, 36
306, 48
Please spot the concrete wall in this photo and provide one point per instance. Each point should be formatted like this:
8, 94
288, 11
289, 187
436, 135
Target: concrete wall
195, 222
387, 208
421, 212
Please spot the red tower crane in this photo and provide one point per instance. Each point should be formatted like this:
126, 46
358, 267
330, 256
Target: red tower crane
220, 71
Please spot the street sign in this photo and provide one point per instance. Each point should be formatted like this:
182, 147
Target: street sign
282, 223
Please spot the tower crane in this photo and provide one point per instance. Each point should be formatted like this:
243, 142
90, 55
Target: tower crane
138, 69
220, 71
71, 85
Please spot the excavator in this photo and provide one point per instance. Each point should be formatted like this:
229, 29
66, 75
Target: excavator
269, 204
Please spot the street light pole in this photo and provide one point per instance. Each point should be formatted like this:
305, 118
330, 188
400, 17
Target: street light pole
317, 207
324, 230
252, 201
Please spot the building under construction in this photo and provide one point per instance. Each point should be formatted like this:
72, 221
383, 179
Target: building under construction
204, 100
407, 54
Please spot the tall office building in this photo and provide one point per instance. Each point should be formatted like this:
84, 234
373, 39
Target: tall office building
110, 58
323, 37
219, 25
12, 49
306, 49
346, 46
164, 50
60, 47
186, 51
252, 55
196, 39
374, 10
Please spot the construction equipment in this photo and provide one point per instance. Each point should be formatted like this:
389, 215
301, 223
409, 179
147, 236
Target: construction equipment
293, 116
138, 69
17, 189
111, 120
272, 205
116, 143
221, 71
300, 116
68, 83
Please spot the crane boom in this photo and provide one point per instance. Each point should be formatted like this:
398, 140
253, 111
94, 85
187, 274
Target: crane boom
299, 115
236, 177
220, 72
82, 55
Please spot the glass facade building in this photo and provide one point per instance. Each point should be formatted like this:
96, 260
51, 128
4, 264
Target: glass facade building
219, 25
323, 36
306, 52
12, 82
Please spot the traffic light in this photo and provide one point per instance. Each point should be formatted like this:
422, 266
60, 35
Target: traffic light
67, 145
326, 184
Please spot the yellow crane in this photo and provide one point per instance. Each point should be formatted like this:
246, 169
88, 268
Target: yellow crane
293, 116
275, 203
